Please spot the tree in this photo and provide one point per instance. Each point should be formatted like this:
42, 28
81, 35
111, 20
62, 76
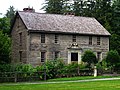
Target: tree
89, 57
5, 25
53, 6
10, 13
5, 48
115, 42
78, 7
116, 17
113, 59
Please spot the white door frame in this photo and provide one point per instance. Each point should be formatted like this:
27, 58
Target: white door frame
74, 51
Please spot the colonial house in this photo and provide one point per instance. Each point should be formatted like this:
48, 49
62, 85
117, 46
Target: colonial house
38, 37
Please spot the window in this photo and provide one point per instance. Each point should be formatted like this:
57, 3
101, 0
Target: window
74, 38
56, 55
56, 38
98, 40
74, 56
20, 36
42, 56
90, 40
20, 53
99, 55
42, 38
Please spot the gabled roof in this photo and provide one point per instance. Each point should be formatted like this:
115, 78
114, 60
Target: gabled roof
62, 23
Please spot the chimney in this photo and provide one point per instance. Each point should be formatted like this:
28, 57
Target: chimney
29, 9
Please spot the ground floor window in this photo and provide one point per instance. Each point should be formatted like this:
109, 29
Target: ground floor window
74, 56
56, 55
99, 55
20, 55
42, 56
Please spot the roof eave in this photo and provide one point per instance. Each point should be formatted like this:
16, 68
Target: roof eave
59, 32
14, 20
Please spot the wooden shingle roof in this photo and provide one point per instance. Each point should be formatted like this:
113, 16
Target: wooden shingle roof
62, 23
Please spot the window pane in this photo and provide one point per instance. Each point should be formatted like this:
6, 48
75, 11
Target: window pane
20, 36
42, 56
56, 38
90, 40
98, 40
42, 38
99, 55
20, 52
74, 56
56, 55
74, 38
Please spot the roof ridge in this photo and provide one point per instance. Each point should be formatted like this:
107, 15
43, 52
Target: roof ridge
55, 14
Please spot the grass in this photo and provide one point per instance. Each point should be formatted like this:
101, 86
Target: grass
94, 85
79, 78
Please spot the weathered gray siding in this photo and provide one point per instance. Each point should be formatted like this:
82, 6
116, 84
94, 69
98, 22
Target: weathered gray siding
19, 27
63, 44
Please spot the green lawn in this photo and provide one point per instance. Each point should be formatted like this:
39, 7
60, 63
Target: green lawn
94, 85
80, 78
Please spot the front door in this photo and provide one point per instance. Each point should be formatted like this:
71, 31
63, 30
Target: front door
74, 56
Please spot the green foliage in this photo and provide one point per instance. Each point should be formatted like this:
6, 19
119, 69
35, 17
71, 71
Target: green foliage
113, 58
16, 68
5, 48
53, 6
53, 68
115, 42
89, 57
70, 69
116, 17
102, 66
24, 68
10, 14
5, 25
6, 68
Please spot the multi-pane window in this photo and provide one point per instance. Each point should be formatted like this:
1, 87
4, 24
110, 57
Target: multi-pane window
56, 38
42, 38
20, 55
90, 40
99, 55
98, 40
20, 36
74, 38
56, 55
42, 56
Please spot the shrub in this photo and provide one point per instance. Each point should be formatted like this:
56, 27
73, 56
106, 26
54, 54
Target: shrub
6, 68
53, 68
24, 68
113, 59
89, 57
70, 69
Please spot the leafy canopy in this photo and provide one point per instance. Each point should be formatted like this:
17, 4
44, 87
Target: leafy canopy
89, 57
5, 48
113, 58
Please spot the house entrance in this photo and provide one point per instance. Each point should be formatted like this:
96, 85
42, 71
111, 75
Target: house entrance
74, 56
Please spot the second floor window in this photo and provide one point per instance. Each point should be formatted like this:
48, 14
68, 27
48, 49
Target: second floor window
42, 38
98, 40
56, 38
20, 36
42, 56
74, 38
90, 40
